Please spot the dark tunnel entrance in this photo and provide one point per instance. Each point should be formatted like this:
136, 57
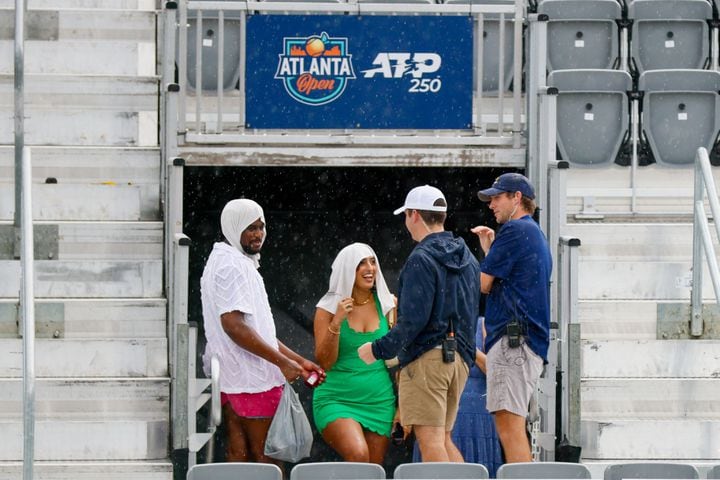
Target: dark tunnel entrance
311, 213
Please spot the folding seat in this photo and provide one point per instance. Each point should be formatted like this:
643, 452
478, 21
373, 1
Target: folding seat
337, 471
440, 470
669, 34
209, 27
234, 471
582, 33
541, 470
658, 470
491, 46
680, 113
210, 54
396, 1
592, 114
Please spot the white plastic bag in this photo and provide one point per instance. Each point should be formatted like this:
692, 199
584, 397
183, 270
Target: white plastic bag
290, 437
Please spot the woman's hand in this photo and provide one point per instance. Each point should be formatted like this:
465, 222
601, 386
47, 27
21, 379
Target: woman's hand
345, 306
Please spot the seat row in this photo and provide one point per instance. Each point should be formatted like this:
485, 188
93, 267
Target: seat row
442, 470
679, 112
662, 34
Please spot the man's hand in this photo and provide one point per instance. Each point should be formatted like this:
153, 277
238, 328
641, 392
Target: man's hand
311, 367
486, 236
291, 370
366, 354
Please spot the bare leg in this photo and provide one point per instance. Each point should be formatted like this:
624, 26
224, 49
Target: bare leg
377, 446
246, 438
513, 437
346, 437
237, 444
256, 430
454, 454
431, 441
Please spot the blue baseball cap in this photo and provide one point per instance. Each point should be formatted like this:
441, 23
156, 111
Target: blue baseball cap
508, 182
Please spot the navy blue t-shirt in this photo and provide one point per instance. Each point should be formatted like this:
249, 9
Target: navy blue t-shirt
520, 261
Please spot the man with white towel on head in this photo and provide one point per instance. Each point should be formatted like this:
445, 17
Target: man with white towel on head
240, 331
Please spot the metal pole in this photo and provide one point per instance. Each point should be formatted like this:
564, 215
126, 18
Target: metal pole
479, 71
517, 71
27, 309
241, 81
635, 122
709, 249
19, 102
696, 322
501, 76
536, 79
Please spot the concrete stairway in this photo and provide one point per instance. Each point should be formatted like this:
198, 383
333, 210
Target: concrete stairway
644, 395
102, 399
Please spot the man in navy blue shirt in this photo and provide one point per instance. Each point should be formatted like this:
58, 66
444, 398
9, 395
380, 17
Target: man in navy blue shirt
516, 276
434, 339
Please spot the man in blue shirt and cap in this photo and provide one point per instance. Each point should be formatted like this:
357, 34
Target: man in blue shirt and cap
516, 276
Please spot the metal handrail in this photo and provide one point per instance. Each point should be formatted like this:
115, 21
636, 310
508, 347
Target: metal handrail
702, 241
27, 306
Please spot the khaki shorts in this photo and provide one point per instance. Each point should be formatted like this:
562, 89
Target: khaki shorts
512, 375
430, 390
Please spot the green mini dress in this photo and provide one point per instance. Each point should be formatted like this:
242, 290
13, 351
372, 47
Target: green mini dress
354, 389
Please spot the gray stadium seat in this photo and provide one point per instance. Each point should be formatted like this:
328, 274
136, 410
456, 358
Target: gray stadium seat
592, 114
337, 471
234, 471
680, 112
396, 1
491, 45
440, 470
650, 470
210, 50
669, 33
541, 470
582, 33
714, 473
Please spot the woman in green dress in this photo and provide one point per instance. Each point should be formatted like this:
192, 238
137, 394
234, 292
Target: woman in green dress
355, 406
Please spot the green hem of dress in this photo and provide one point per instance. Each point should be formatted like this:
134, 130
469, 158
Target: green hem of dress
365, 427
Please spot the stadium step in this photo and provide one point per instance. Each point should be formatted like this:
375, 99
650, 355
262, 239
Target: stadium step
107, 470
651, 359
91, 240
89, 419
83, 279
89, 318
105, 41
104, 170
641, 439
84, 110
97, 399
650, 398
636, 261
88, 358
661, 192
89, 440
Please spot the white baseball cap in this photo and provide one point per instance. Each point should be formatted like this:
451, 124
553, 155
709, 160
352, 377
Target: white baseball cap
423, 198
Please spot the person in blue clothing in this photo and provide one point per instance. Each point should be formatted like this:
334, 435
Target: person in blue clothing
434, 339
516, 276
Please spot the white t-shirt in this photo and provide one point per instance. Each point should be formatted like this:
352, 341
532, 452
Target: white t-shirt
231, 282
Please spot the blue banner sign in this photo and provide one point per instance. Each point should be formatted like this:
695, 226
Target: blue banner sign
350, 71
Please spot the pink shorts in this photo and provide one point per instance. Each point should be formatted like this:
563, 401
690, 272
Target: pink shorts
254, 405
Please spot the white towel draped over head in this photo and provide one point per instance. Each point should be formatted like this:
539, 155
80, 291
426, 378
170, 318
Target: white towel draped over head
342, 278
236, 216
